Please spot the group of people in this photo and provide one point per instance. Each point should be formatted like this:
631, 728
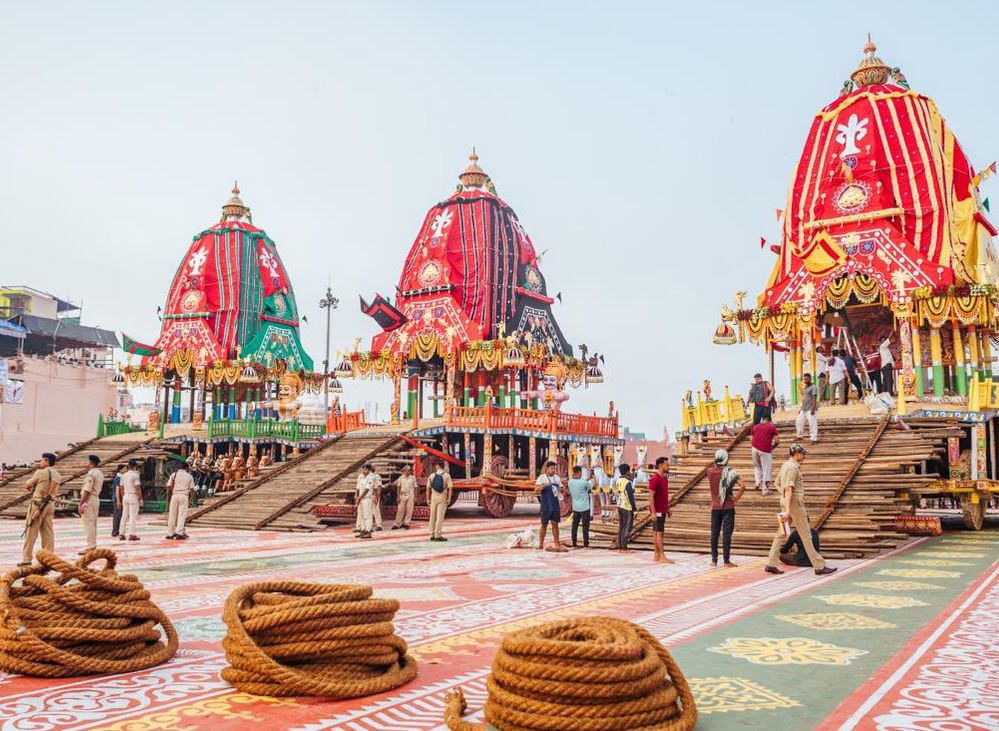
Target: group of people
221, 474
727, 489
44, 485
368, 499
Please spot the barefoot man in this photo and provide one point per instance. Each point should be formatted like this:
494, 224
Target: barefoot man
659, 506
548, 483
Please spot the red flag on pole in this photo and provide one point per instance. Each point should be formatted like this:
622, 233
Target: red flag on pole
775, 248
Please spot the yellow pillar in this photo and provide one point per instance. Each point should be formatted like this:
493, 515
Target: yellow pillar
917, 361
936, 358
960, 374
973, 351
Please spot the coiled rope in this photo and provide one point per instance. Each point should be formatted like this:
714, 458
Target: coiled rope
588, 674
82, 621
296, 638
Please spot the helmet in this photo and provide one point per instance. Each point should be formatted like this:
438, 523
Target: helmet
721, 457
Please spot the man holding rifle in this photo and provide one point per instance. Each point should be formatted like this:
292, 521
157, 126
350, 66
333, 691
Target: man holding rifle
43, 485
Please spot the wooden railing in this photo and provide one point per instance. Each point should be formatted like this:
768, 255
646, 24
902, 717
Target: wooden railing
343, 423
265, 429
113, 428
487, 417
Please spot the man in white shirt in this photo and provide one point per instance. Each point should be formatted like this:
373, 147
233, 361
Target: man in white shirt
90, 501
131, 501
365, 498
837, 378
179, 488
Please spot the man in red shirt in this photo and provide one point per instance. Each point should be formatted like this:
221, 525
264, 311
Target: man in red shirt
764, 438
659, 506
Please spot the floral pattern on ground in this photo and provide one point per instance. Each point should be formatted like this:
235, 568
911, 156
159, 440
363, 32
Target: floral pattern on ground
518, 574
936, 563
921, 573
897, 585
722, 694
951, 554
787, 651
876, 601
835, 621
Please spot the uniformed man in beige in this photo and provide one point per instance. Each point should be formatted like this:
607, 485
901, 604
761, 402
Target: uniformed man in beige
792, 501
405, 498
42, 485
439, 488
90, 501
179, 488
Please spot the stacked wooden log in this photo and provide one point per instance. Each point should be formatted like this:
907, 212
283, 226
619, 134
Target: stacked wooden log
282, 498
72, 465
860, 469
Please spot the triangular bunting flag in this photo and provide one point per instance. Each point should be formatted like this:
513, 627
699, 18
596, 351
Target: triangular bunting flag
780, 213
775, 248
763, 242
985, 204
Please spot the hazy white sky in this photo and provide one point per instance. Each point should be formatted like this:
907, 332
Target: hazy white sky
645, 147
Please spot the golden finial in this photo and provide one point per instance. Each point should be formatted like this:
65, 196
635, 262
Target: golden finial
871, 70
473, 176
234, 209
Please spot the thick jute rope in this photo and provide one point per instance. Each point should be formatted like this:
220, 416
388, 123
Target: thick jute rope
297, 638
81, 621
588, 674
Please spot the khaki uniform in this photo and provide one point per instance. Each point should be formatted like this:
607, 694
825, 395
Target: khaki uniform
39, 483
792, 502
438, 505
90, 501
365, 488
406, 498
181, 483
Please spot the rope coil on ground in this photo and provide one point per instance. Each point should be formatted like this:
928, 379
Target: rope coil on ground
80, 622
297, 638
587, 674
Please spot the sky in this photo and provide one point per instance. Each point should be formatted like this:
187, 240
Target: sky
645, 147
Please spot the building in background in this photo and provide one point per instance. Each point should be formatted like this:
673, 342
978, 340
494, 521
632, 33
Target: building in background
634, 442
55, 374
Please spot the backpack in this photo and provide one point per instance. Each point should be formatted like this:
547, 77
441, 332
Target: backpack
437, 482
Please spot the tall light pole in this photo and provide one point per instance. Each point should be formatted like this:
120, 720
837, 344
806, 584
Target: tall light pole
328, 303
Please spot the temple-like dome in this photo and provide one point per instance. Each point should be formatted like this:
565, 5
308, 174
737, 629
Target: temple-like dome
883, 189
231, 297
473, 270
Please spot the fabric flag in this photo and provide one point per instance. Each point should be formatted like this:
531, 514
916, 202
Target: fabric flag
780, 212
985, 204
763, 242
136, 348
775, 248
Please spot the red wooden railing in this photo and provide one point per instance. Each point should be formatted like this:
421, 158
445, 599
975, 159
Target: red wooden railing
343, 423
532, 420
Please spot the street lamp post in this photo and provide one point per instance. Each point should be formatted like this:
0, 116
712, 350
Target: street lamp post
328, 303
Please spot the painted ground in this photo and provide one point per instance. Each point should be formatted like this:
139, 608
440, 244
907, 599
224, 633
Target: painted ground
903, 641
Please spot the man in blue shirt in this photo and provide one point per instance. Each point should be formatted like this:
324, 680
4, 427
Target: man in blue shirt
580, 490
548, 484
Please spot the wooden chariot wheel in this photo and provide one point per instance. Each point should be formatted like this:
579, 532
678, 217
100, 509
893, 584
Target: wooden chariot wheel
496, 505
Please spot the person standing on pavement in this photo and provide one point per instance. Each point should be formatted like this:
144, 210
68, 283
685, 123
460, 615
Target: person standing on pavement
42, 485
548, 485
792, 501
809, 410
723, 482
659, 506
580, 489
179, 488
761, 395
764, 437
376, 498
131, 501
439, 488
364, 500
116, 495
405, 487
90, 501
624, 491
